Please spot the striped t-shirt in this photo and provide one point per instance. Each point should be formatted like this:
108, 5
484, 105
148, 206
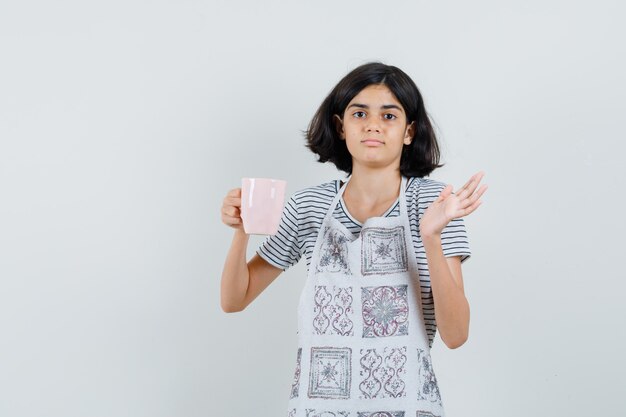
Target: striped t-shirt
302, 219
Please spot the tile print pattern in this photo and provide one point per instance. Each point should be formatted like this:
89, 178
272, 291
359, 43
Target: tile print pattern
331, 372
383, 373
314, 413
385, 311
333, 256
295, 386
383, 251
427, 381
381, 414
332, 311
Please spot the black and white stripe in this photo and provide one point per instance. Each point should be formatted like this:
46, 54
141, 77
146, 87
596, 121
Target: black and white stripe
304, 211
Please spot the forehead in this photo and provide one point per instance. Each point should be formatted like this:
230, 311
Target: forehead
375, 95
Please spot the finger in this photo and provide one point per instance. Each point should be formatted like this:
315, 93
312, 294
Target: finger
471, 185
445, 193
235, 192
468, 182
470, 200
233, 201
231, 211
231, 219
474, 206
235, 220
470, 209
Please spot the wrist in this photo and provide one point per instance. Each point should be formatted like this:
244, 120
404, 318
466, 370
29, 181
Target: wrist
241, 234
429, 238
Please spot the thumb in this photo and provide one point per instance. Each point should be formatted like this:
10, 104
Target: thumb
445, 193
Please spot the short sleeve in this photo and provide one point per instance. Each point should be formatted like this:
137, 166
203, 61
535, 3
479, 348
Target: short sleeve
282, 249
454, 239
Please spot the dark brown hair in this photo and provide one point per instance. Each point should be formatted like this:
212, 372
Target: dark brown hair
418, 159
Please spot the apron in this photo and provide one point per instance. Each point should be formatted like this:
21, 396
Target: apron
362, 343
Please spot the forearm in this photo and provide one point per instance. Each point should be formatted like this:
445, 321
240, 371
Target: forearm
235, 275
451, 306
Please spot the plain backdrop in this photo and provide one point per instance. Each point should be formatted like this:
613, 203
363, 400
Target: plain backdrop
123, 124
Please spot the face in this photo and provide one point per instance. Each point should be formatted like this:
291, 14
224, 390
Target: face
374, 127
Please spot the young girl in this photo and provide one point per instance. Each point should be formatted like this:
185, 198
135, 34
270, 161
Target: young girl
383, 250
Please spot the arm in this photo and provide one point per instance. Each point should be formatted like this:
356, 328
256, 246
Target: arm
446, 279
242, 282
452, 310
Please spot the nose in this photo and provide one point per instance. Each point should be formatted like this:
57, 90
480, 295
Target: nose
373, 125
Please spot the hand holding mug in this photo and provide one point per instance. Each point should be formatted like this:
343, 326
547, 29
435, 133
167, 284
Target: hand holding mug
256, 207
262, 203
231, 209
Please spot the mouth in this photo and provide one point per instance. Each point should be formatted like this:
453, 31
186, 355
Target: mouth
374, 142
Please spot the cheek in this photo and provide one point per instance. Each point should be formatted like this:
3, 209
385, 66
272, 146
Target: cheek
350, 124
351, 130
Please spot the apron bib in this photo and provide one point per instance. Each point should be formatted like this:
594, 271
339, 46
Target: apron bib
362, 344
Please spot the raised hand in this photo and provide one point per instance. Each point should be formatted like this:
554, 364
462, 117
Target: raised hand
451, 205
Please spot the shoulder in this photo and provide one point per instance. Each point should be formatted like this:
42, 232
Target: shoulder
326, 189
314, 198
316, 194
424, 189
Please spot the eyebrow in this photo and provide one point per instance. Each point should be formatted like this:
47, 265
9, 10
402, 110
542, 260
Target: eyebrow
383, 107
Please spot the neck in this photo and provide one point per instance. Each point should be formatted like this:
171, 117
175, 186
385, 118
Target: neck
372, 186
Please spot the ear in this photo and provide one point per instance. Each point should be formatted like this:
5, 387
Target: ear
409, 133
339, 126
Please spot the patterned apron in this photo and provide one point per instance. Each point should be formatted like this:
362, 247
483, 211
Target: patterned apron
362, 344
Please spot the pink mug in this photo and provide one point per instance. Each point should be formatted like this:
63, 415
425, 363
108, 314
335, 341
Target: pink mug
262, 203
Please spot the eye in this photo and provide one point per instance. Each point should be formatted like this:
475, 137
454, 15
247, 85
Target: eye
393, 116
358, 112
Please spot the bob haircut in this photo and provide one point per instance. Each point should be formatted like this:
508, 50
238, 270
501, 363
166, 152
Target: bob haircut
418, 159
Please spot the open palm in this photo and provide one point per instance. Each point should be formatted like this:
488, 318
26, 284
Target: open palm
451, 205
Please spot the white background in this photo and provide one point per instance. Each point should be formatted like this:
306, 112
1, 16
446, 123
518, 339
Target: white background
124, 123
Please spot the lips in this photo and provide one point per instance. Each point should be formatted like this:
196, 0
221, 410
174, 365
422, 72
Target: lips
371, 141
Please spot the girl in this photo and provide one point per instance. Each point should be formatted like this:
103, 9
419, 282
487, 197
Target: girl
383, 250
